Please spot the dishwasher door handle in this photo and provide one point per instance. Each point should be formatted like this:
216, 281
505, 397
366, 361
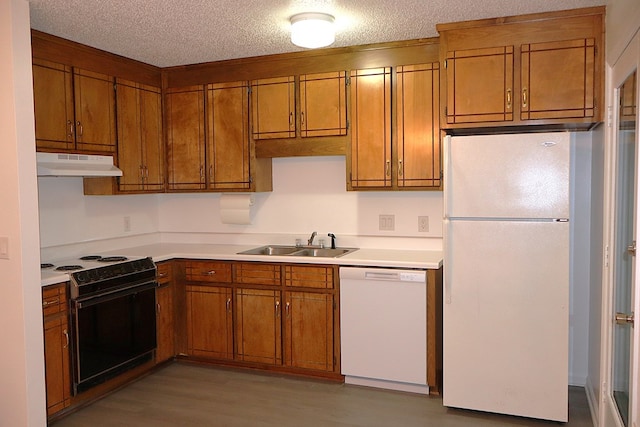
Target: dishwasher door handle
380, 275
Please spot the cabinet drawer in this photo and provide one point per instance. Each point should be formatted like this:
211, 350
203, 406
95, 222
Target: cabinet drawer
54, 299
208, 271
303, 276
257, 274
164, 272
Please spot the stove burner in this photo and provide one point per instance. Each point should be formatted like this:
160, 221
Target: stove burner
112, 259
46, 265
69, 267
90, 257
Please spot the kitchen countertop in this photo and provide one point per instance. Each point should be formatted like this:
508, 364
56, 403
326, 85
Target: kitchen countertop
362, 257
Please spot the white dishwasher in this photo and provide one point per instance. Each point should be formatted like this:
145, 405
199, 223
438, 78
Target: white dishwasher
383, 328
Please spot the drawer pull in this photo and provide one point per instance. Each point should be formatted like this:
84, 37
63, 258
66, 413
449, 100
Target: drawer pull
210, 273
50, 302
66, 335
162, 275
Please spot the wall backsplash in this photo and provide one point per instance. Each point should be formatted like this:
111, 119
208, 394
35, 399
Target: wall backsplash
308, 195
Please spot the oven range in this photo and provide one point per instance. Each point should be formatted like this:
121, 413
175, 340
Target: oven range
113, 315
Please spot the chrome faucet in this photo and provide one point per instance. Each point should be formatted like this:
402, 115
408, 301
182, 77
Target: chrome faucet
313, 236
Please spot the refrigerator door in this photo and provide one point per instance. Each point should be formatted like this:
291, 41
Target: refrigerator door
506, 317
508, 176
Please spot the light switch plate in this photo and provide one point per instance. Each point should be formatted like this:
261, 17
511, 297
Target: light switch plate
4, 247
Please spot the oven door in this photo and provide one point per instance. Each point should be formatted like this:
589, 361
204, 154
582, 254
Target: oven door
112, 333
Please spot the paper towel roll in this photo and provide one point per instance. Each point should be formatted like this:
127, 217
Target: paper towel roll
236, 208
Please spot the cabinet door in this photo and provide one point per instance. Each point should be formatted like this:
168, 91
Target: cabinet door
258, 326
480, 85
164, 323
152, 139
228, 154
370, 153
558, 80
185, 138
56, 355
273, 108
210, 322
94, 111
53, 103
309, 330
323, 104
129, 137
418, 126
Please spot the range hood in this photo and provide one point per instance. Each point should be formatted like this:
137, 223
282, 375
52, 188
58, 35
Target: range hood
65, 164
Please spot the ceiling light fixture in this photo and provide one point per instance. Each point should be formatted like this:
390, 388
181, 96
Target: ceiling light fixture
312, 30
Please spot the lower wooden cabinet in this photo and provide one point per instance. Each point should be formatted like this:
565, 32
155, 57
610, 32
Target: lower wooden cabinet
269, 315
56, 347
165, 319
258, 326
309, 337
209, 322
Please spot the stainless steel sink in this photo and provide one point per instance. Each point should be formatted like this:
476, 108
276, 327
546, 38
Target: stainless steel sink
324, 252
298, 251
271, 250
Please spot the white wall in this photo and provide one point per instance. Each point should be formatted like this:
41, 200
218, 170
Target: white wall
581, 259
67, 216
22, 390
308, 195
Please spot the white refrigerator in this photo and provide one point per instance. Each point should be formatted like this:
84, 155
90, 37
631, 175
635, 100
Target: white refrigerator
506, 266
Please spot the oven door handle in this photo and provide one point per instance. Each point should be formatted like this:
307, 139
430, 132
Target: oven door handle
88, 302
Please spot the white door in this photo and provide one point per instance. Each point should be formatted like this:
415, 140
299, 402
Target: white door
620, 315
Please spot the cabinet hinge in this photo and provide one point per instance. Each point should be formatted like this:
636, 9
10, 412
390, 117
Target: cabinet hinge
335, 306
446, 113
348, 124
347, 81
335, 361
250, 179
249, 89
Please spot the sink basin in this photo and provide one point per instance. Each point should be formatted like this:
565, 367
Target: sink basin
324, 252
298, 251
271, 250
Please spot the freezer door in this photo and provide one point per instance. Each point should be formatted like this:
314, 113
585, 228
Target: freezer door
506, 322
508, 176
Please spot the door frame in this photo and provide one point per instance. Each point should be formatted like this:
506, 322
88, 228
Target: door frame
608, 415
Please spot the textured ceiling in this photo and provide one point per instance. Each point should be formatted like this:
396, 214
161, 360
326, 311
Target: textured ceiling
179, 32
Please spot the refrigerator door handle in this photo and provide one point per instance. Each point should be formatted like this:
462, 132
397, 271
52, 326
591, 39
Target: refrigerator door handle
446, 181
448, 276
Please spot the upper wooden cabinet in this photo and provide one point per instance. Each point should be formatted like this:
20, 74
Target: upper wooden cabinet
208, 145
184, 109
140, 141
273, 107
323, 104
321, 109
74, 109
228, 147
417, 142
395, 142
370, 154
540, 69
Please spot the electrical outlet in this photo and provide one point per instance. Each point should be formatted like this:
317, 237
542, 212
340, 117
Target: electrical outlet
387, 222
127, 223
423, 224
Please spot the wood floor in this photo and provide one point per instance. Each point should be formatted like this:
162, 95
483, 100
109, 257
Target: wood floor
188, 395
